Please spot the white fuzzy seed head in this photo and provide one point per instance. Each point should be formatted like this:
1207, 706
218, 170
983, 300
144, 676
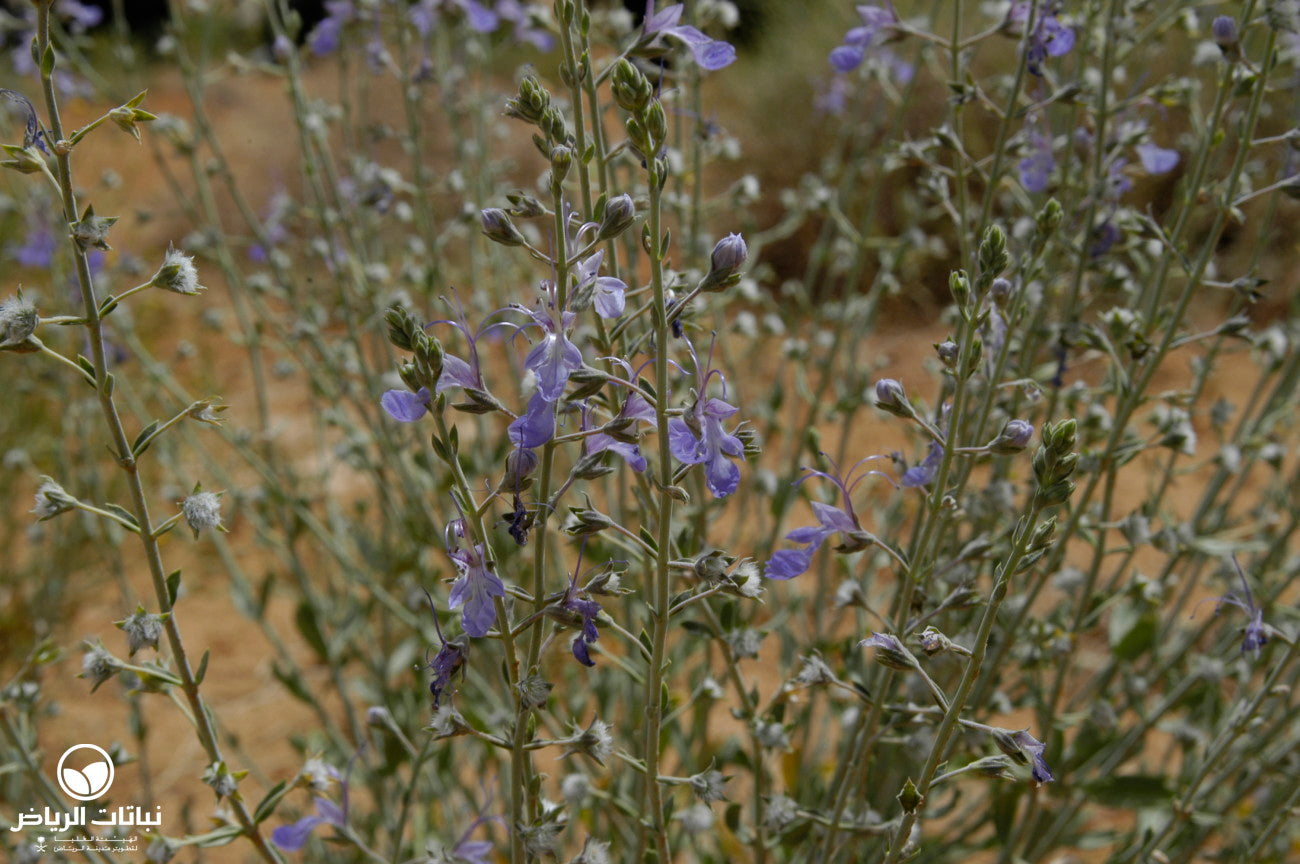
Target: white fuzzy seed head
202, 510
178, 274
18, 321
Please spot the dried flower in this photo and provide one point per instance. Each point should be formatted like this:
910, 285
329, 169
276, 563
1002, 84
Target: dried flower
202, 510
709, 785
51, 500
18, 321
178, 274
142, 629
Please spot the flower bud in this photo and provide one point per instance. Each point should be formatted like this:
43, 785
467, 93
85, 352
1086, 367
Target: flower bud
617, 218
933, 641
524, 206
531, 103
402, 327
656, 124
1224, 30
1049, 218
891, 397
1001, 290
959, 285
498, 227
561, 161
632, 90
947, 351
1013, 438
889, 651
729, 255
993, 257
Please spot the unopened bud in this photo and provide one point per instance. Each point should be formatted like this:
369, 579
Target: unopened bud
1224, 30
1013, 438
498, 227
891, 397
618, 216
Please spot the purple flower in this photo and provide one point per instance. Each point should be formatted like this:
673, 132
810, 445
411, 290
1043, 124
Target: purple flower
554, 358
789, 563
876, 25
273, 231
1256, 632
81, 16
709, 54
325, 37
1157, 160
424, 15
1117, 182
600, 441
922, 474
467, 851
699, 438
1037, 167
519, 15
405, 406
474, 588
449, 660
711, 447
1050, 38
291, 838
535, 426
38, 247
1034, 748
455, 371
608, 291
32, 132
1104, 237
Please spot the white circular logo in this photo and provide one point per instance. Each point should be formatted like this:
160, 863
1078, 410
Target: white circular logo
91, 779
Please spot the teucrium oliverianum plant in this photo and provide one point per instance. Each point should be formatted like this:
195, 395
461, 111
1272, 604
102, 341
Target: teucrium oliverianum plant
1066, 551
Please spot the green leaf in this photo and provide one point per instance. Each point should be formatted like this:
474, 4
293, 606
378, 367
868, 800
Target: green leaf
732, 816
203, 668
292, 682
143, 439
1130, 791
267, 805
123, 514
1132, 631
173, 586
305, 619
